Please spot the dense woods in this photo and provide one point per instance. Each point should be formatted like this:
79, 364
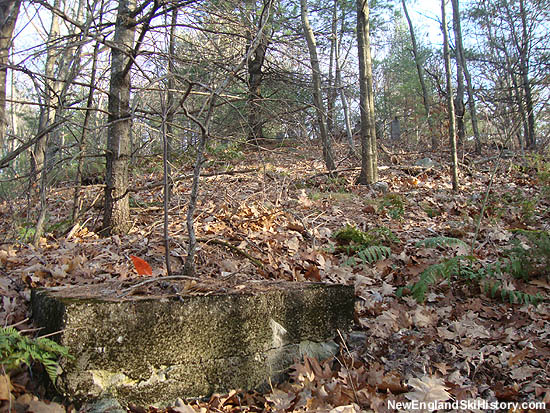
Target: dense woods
101, 84
173, 129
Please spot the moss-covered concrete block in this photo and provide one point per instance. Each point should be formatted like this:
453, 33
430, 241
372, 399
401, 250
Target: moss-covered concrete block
152, 350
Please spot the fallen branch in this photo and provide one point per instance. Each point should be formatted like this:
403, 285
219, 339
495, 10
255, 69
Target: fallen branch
189, 176
335, 171
153, 280
232, 247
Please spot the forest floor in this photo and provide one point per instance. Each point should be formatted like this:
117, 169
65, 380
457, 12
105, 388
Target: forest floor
475, 338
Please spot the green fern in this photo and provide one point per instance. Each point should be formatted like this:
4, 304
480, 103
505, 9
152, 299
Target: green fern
375, 253
16, 349
495, 289
431, 275
369, 255
464, 267
488, 276
435, 242
531, 261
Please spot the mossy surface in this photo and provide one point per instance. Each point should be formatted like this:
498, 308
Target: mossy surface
150, 350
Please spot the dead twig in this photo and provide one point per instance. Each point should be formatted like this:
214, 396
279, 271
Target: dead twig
154, 185
232, 247
126, 291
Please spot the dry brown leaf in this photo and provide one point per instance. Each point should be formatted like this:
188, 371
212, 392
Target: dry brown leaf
293, 244
442, 367
304, 200
522, 373
540, 283
392, 382
507, 393
539, 391
352, 408
422, 317
182, 407
38, 406
375, 375
281, 400
387, 289
427, 389
518, 357
5, 387
302, 373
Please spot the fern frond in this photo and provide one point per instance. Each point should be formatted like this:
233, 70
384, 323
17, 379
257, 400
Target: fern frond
374, 253
51, 367
428, 277
445, 269
16, 349
496, 288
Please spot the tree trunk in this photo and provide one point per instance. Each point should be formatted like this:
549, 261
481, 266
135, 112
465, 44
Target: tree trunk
317, 93
425, 95
67, 67
518, 98
255, 75
84, 136
471, 102
450, 105
339, 88
170, 108
331, 87
369, 168
9, 9
345, 107
526, 83
459, 107
469, 86
116, 216
47, 112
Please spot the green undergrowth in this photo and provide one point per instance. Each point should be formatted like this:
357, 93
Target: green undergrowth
17, 349
365, 246
528, 256
393, 204
530, 253
226, 151
25, 229
351, 239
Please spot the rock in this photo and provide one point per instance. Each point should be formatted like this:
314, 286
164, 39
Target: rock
357, 339
104, 405
426, 163
381, 186
152, 350
476, 196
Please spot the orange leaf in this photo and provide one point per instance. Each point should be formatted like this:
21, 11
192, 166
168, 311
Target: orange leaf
312, 273
142, 267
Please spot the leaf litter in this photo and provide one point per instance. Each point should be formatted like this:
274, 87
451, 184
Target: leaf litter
458, 345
